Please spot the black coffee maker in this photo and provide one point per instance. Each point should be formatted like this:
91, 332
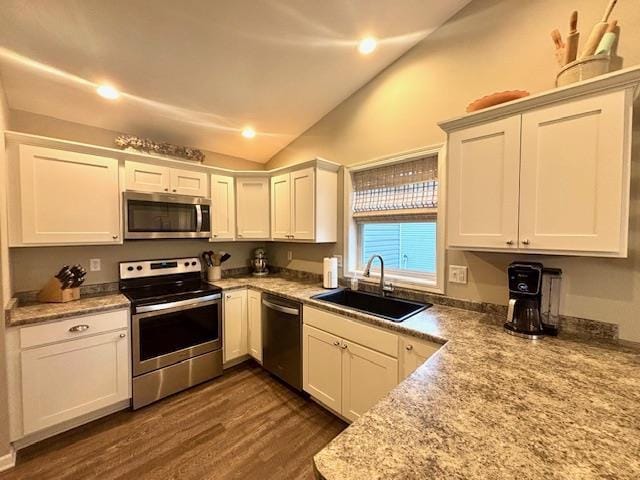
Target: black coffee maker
524, 317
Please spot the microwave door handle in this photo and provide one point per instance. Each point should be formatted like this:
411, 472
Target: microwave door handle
198, 218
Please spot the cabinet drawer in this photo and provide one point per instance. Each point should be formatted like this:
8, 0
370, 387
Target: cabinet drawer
60, 331
371, 337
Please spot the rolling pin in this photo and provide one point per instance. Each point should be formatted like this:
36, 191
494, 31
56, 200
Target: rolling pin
609, 38
598, 31
557, 41
571, 42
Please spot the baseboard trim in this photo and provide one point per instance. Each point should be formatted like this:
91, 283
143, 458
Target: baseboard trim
9, 460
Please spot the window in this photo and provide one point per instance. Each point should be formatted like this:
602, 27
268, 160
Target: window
405, 246
394, 213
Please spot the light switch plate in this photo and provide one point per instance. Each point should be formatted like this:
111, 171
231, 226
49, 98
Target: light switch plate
457, 274
95, 265
339, 258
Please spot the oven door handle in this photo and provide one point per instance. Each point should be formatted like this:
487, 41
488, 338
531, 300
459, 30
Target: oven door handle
280, 308
198, 218
179, 305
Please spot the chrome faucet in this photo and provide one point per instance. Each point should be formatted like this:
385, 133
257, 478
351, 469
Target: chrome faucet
384, 287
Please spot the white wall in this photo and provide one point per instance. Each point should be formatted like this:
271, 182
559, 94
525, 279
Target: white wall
489, 46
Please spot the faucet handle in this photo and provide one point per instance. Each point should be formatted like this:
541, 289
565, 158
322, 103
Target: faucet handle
388, 287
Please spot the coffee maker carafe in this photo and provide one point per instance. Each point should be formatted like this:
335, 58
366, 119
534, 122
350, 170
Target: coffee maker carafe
525, 300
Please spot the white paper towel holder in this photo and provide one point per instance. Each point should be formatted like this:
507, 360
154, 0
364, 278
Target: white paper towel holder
330, 272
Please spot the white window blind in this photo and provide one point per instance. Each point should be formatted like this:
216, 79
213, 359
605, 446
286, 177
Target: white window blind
402, 188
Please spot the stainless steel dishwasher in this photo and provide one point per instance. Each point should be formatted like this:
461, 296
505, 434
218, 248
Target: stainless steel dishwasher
282, 339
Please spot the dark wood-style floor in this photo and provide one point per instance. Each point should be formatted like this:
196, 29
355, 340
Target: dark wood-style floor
245, 425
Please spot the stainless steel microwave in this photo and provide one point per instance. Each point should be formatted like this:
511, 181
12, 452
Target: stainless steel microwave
157, 215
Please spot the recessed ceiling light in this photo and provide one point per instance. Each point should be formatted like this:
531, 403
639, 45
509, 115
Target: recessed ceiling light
107, 91
248, 132
367, 45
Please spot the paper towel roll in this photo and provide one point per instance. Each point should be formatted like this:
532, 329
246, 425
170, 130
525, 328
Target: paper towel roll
330, 272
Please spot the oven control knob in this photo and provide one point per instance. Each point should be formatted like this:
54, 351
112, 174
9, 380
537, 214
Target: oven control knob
139, 267
130, 269
186, 264
193, 264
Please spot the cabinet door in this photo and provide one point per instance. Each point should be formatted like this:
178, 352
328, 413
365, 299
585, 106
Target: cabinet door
413, 353
146, 177
223, 208
303, 209
574, 176
322, 367
252, 200
68, 197
186, 182
367, 376
482, 199
69, 379
235, 325
254, 311
281, 207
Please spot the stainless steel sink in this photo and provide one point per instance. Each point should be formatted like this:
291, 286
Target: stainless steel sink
388, 308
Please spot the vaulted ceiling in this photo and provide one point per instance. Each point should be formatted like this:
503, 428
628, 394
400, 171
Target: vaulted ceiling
196, 72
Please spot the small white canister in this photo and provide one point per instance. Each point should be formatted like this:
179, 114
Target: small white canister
330, 272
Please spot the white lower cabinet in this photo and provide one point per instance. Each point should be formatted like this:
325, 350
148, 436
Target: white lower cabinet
58, 376
254, 320
367, 376
342, 368
69, 379
413, 353
322, 367
234, 338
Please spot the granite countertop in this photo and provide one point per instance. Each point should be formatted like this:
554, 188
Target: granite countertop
18, 315
489, 405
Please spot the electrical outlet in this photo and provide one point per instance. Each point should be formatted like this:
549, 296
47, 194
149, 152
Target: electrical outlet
289, 255
339, 257
95, 265
457, 274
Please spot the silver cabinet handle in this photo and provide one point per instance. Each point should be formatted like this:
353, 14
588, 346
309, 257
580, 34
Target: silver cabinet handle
175, 190
409, 347
166, 189
79, 328
336, 343
215, 235
526, 241
509, 242
122, 335
115, 237
240, 235
344, 346
228, 297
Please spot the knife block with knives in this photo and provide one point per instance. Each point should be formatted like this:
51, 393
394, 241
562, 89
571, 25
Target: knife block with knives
64, 286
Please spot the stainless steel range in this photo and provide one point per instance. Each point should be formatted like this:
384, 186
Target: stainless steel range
176, 323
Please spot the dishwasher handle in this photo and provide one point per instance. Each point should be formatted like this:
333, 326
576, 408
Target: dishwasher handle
280, 308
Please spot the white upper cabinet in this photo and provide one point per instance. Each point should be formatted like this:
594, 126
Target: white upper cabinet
484, 164
147, 177
574, 180
281, 207
60, 197
303, 198
252, 200
186, 182
546, 174
223, 208
304, 205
